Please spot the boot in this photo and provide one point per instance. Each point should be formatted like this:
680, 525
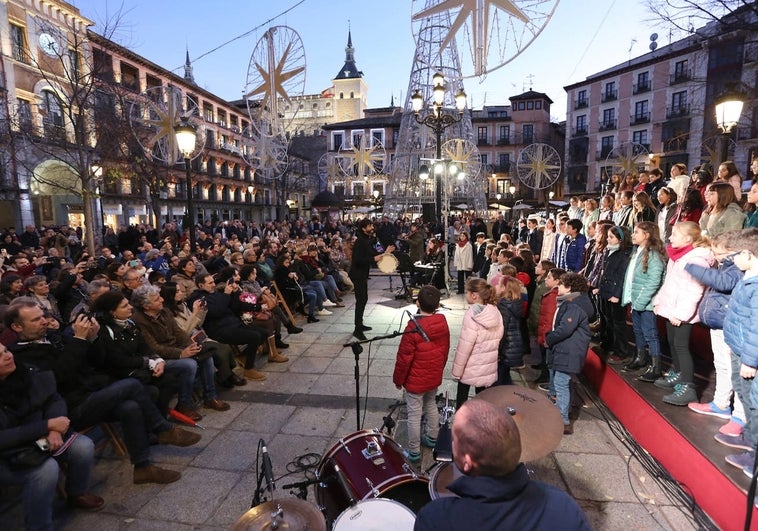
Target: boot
639, 361
178, 437
253, 374
273, 353
279, 343
652, 372
154, 474
292, 329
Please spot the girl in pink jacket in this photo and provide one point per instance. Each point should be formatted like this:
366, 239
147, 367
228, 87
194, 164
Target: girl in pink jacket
677, 302
475, 361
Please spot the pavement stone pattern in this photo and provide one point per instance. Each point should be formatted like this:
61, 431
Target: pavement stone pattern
307, 404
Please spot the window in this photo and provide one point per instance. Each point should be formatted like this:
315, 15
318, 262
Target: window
505, 134
521, 105
377, 137
641, 111
103, 64
609, 119
643, 82
679, 100
481, 135
606, 145
337, 140
75, 62
610, 93
581, 123
18, 43
640, 137
129, 77
529, 105
222, 118
681, 71
357, 136
527, 133
538, 104
52, 116
504, 161
208, 112
24, 115
581, 99
484, 159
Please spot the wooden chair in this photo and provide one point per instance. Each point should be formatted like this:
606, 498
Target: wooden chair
283, 302
111, 437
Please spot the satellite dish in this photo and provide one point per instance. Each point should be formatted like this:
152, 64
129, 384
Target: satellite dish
653, 46
654, 37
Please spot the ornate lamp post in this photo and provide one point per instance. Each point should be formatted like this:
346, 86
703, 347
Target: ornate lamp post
437, 120
186, 136
728, 110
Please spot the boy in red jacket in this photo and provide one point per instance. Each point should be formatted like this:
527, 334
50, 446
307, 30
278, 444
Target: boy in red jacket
545, 324
419, 369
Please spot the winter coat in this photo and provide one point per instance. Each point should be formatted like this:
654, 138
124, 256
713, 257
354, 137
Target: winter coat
548, 245
534, 308
740, 331
641, 286
611, 283
574, 260
511, 348
463, 259
123, 350
163, 334
752, 219
681, 293
475, 361
720, 283
731, 218
547, 312
568, 341
420, 363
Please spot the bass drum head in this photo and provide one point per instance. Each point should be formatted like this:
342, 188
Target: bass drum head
442, 476
375, 514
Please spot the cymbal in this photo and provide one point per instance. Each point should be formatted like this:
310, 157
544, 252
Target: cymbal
295, 514
539, 422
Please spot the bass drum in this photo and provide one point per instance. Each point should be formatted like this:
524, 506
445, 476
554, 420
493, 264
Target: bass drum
370, 465
442, 476
377, 514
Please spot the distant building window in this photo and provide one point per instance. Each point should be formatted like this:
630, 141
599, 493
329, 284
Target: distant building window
521, 106
337, 140
581, 97
527, 133
640, 137
481, 134
18, 43
24, 114
538, 104
529, 105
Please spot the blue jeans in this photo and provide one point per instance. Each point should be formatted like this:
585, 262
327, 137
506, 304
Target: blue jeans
126, 401
207, 377
184, 370
318, 287
645, 331
747, 391
39, 483
560, 386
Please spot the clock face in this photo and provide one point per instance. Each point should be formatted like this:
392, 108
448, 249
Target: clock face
49, 44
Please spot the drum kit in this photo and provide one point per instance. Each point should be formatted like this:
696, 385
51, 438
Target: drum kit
366, 482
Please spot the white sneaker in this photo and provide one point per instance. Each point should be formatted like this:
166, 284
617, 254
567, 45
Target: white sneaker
323, 312
328, 304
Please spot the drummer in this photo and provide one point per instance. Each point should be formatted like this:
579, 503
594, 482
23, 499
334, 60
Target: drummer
495, 491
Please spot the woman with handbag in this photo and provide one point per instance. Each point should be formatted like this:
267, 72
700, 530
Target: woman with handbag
35, 438
249, 283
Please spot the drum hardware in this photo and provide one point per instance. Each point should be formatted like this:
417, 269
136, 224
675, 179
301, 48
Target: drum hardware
372, 450
371, 487
443, 449
387, 421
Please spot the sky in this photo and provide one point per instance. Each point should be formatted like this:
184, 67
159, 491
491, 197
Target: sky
582, 37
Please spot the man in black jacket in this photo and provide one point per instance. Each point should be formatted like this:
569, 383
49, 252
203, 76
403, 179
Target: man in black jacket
90, 396
364, 256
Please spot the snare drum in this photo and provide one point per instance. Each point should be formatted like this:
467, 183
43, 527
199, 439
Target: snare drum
442, 476
376, 514
388, 263
372, 465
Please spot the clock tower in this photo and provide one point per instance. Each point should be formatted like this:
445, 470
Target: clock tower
350, 90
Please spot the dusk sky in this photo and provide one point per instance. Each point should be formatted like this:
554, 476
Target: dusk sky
582, 37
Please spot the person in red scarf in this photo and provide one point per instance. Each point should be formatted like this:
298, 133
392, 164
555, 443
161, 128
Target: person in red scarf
677, 302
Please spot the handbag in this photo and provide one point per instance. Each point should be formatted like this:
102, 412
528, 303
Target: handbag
25, 457
269, 300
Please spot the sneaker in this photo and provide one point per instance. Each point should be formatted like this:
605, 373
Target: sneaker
668, 380
414, 457
748, 469
328, 304
323, 312
710, 409
568, 429
683, 394
741, 460
429, 442
733, 428
544, 387
738, 442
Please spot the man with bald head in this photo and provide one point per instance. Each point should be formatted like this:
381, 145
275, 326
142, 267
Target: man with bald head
495, 491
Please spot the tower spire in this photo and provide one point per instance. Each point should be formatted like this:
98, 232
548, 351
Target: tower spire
188, 68
349, 69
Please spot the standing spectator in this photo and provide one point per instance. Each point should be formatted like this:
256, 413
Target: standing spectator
644, 209
29, 238
463, 260
419, 367
572, 252
609, 290
643, 279
511, 347
568, 341
476, 355
534, 238
752, 200
677, 302
547, 309
480, 253
723, 213
669, 211
729, 173
548, 240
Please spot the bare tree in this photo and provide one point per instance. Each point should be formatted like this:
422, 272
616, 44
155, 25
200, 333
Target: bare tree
69, 128
688, 15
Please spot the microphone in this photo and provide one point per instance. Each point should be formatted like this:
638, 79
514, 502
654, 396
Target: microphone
420, 330
268, 471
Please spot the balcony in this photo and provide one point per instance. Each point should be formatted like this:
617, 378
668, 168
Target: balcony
581, 104
603, 153
607, 125
639, 118
680, 77
580, 130
506, 141
639, 88
609, 95
482, 142
677, 111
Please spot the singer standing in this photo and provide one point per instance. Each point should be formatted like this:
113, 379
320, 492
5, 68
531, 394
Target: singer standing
364, 256
421, 359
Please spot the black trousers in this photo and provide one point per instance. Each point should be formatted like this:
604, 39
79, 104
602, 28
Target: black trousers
360, 288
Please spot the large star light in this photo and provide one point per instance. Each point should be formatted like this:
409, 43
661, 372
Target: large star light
364, 159
272, 85
479, 10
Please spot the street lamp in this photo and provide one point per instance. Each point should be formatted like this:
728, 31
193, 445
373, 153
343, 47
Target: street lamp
728, 110
437, 120
550, 196
186, 137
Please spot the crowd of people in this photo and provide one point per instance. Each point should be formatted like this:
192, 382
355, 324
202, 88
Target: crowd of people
149, 322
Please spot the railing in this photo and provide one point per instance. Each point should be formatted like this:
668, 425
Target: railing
680, 77
641, 118
638, 88
677, 111
579, 131
606, 125
609, 95
482, 142
581, 104
504, 141
603, 153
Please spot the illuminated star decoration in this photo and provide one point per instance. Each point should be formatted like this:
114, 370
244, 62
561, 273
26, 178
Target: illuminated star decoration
273, 79
163, 120
363, 159
539, 166
479, 11
460, 151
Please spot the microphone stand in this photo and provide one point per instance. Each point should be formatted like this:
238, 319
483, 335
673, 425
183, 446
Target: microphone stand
357, 349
